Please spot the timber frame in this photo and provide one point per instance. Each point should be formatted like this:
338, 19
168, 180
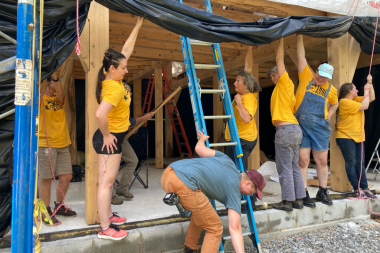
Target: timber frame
157, 48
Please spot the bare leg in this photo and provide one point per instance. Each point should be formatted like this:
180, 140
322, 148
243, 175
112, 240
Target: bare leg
320, 158
64, 181
44, 188
304, 159
110, 164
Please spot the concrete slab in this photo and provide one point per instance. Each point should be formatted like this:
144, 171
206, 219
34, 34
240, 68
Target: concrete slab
355, 208
334, 212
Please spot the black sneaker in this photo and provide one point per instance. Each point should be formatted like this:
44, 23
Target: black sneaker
298, 204
307, 201
323, 196
284, 205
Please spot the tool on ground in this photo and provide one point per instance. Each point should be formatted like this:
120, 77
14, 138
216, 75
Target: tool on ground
173, 112
171, 199
199, 118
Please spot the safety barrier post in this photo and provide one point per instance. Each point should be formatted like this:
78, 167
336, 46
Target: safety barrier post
21, 161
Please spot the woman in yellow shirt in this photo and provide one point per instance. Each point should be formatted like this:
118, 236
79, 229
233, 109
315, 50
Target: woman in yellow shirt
112, 117
244, 107
350, 133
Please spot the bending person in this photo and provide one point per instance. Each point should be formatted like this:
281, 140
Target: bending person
213, 176
350, 133
313, 94
125, 174
288, 135
244, 106
112, 117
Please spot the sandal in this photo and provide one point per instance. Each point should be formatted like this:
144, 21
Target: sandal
360, 194
55, 221
369, 194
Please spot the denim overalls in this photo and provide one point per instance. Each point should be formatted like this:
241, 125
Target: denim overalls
311, 117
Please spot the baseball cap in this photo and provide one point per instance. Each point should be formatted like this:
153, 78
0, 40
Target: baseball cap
259, 181
326, 70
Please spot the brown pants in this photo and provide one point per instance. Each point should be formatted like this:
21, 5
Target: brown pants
203, 214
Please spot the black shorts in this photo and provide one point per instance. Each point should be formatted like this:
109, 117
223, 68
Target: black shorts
97, 142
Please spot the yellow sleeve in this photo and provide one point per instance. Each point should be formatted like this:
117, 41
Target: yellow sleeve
348, 106
306, 76
112, 93
333, 96
359, 99
250, 104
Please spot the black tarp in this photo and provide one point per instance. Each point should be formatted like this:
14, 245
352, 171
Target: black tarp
59, 40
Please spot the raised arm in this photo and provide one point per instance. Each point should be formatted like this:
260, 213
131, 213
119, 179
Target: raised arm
366, 99
201, 148
248, 60
60, 94
280, 58
130, 43
371, 90
302, 62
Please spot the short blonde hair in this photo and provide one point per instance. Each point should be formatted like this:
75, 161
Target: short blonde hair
250, 82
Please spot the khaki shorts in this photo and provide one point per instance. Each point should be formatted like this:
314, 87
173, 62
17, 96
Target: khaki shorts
60, 161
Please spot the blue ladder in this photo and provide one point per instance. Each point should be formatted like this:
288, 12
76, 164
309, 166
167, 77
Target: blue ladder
199, 119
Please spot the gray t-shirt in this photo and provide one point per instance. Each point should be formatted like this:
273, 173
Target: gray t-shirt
217, 177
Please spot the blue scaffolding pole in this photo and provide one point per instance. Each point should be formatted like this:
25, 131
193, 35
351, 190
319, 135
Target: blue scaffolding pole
22, 143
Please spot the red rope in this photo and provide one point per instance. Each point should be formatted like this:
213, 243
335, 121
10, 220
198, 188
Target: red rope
351, 7
77, 50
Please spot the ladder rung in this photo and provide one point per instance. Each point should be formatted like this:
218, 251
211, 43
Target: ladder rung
208, 91
8, 38
8, 65
184, 153
223, 144
226, 238
175, 123
218, 117
200, 43
206, 66
179, 133
182, 143
146, 103
242, 202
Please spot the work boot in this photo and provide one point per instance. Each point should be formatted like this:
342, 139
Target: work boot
298, 204
116, 201
126, 195
55, 221
284, 205
64, 211
188, 250
307, 200
323, 196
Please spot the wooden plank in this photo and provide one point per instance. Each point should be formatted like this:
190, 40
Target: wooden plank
68, 84
254, 157
263, 157
338, 56
159, 124
98, 17
365, 60
147, 71
168, 125
217, 110
136, 97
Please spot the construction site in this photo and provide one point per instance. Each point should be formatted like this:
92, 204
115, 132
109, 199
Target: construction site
344, 35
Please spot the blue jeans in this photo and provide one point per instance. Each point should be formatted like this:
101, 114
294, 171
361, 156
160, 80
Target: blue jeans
352, 155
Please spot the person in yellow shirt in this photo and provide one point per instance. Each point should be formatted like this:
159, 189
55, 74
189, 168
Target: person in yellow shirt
112, 117
350, 133
288, 135
244, 107
313, 94
53, 152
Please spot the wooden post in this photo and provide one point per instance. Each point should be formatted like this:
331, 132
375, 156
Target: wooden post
159, 119
254, 157
98, 43
68, 83
136, 97
168, 124
343, 55
217, 110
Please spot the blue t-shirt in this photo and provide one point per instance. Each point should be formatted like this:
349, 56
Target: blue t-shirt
217, 177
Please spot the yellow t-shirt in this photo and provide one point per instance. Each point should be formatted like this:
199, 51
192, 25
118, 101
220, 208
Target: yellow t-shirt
117, 95
304, 78
57, 131
283, 100
349, 122
246, 131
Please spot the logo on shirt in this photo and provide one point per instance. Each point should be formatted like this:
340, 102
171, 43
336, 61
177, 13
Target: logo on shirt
53, 105
126, 92
318, 90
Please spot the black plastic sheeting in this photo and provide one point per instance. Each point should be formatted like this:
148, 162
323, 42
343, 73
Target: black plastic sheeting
201, 25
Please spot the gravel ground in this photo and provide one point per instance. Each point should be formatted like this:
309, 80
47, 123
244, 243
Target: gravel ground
360, 237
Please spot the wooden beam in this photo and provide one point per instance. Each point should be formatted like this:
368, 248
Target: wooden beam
84, 55
168, 124
148, 70
217, 110
136, 96
68, 84
338, 56
254, 157
98, 43
159, 161
353, 57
